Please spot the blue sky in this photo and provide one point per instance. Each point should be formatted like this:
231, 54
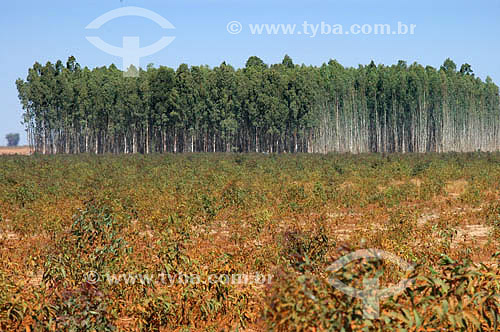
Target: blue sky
49, 30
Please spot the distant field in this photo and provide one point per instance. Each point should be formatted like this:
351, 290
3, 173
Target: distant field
21, 150
94, 243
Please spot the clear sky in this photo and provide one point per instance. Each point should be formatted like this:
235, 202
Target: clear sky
48, 30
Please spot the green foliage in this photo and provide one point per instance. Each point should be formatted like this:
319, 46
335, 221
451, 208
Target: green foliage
260, 108
456, 297
305, 250
83, 309
12, 139
289, 216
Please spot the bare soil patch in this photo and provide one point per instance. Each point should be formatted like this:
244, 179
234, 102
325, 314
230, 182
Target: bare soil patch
8, 236
456, 188
472, 235
19, 150
425, 218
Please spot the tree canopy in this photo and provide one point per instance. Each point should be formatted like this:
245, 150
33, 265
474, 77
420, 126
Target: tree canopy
12, 139
281, 107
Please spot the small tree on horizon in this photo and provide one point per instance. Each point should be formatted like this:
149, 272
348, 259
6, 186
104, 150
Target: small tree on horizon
12, 139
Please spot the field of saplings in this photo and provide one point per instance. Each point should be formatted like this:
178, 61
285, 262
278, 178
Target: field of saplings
231, 242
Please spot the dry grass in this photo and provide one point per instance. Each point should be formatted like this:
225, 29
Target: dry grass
18, 150
289, 216
456, 188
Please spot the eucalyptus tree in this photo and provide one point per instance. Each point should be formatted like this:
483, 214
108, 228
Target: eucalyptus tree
283, 107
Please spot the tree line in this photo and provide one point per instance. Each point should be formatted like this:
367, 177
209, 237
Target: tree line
12, 139
281, 107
